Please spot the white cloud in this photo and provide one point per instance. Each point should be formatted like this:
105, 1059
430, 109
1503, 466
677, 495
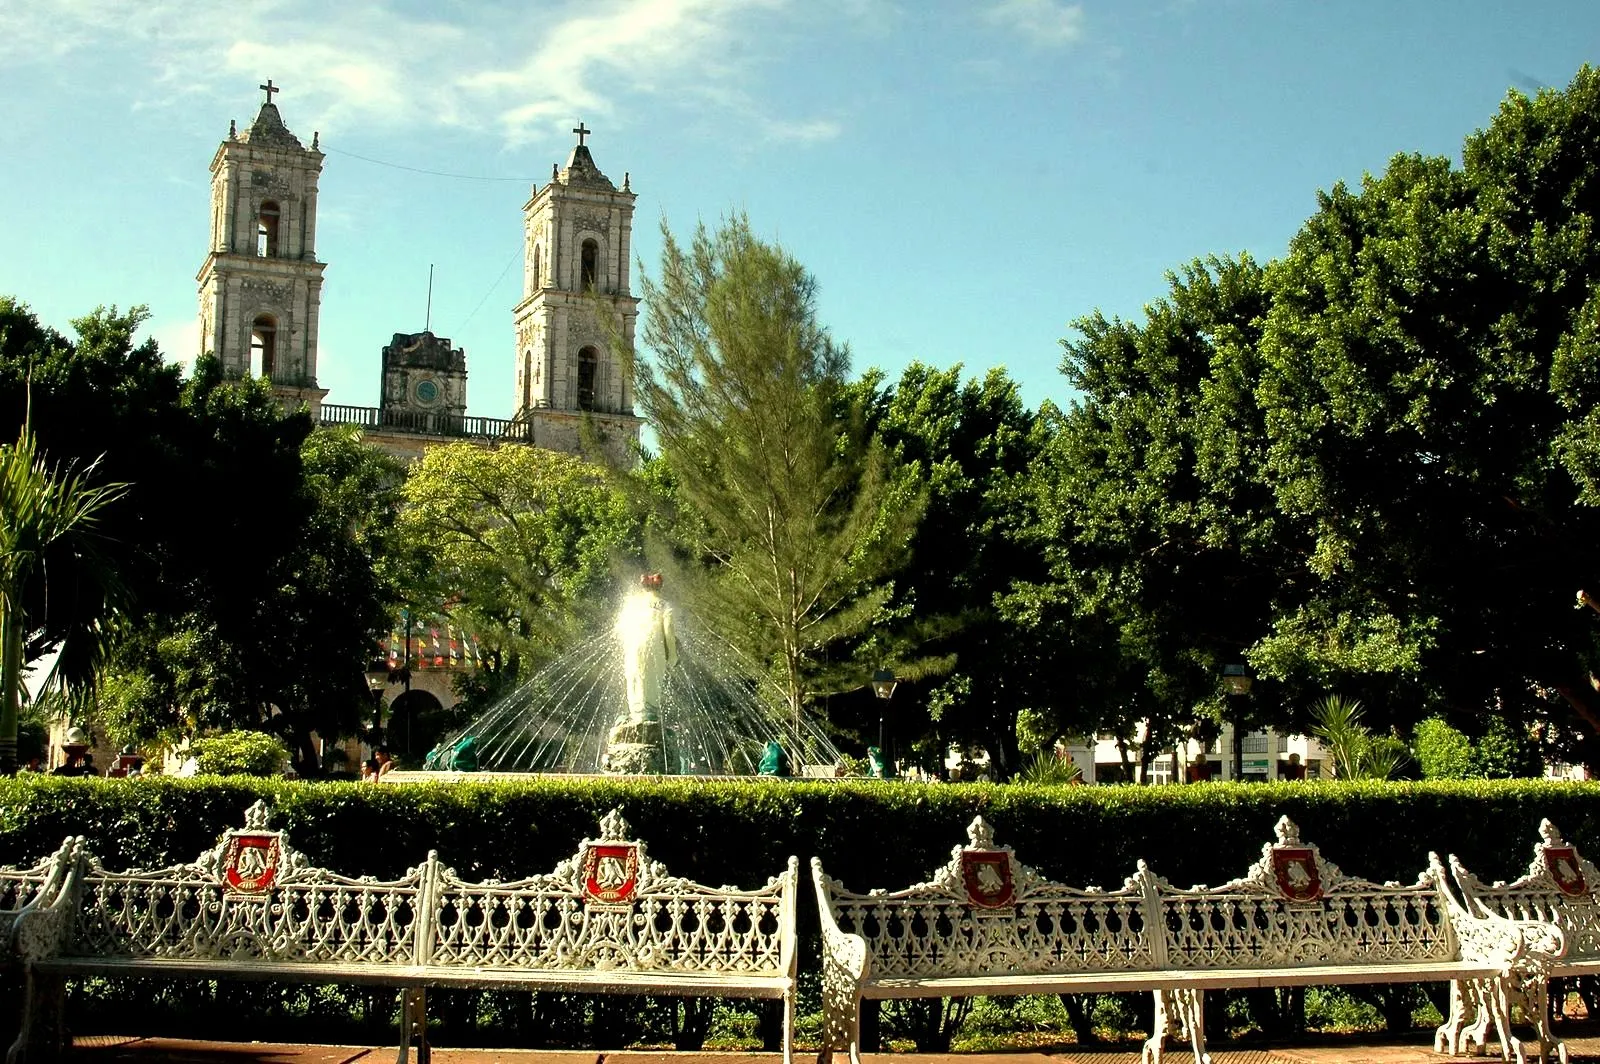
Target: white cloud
523, 70
179, 340
805, 132
1044, 22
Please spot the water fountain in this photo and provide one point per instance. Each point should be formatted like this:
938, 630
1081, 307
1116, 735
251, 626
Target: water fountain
655, 694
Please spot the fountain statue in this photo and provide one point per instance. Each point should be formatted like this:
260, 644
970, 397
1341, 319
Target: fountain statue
649, 649
655, 693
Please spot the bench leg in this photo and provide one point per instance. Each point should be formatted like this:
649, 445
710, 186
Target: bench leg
1525, 990
1180, 1014
788, 1025
414, 1024
1534, 997
841, 1014
43, 1036
841, 1027
1467, 1026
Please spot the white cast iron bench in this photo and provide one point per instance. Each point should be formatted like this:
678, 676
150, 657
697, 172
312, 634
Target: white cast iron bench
988, 924
607, 920
1558, 888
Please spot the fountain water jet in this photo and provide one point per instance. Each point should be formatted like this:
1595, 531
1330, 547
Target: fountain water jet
656, 694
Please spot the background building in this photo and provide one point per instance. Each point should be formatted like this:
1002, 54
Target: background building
261, 297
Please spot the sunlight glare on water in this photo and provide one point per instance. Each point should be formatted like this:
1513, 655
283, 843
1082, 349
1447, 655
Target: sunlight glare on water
717, 713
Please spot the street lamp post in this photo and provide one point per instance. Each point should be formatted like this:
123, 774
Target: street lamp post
1236, 681
375, 685
883, 685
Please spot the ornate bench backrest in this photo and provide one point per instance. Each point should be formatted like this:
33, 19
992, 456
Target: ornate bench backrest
611, 907
1293, 908
986, 912
251, 897
1559, 888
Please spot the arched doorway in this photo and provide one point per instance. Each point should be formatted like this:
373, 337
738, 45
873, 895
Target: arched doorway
417, 721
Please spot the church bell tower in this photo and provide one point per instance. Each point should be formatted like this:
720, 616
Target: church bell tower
261, 284
577, 240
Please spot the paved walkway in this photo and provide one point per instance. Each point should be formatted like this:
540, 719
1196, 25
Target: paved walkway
1584, 1046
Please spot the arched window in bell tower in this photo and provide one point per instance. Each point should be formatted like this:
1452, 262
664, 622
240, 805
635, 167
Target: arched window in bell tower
267, 231
591, 265
538, 278
263, 345
588, 360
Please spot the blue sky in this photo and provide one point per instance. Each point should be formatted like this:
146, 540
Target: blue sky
964, 177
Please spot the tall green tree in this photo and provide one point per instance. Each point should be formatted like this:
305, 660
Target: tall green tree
520, 542
242, 543
40, 508
1148, 504
793, 507
93, 398
966, 671
275, 600
1429, 384
1369, 468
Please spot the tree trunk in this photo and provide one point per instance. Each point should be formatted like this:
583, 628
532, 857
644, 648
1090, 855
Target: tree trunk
1080, 1013
1582, 703
1008, 752
691, 1023
10, 682
307, 764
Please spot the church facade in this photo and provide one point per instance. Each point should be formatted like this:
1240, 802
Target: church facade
260, 293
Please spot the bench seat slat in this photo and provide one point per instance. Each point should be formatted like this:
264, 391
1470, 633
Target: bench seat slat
667, 983
1114, 982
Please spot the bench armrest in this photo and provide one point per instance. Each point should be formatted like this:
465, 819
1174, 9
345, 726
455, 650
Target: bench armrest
844, 955
789, 958
41, 927
1487, 937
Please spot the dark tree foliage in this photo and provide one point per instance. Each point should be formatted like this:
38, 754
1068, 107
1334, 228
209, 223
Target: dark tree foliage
1148, 506
967, 671
97, 399
1430, 384
249, 549
1370, 467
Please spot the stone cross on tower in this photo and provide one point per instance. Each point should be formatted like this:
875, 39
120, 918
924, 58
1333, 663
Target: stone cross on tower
582, 132
269, 88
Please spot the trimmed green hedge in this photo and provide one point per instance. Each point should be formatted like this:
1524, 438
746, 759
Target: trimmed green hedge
868, 833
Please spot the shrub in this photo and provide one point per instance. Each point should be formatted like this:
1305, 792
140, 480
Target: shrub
869, 833
1505, 751
240, 753
1443, 753
1046, 769
1357, 753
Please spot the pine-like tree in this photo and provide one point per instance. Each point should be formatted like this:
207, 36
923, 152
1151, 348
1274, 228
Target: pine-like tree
778, 492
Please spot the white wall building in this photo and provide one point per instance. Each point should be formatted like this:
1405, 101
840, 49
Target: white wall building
1268, 756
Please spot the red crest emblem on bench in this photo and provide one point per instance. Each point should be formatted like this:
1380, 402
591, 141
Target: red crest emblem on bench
611, 873
1295, 869
1562, 864
251, 863
987, 876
